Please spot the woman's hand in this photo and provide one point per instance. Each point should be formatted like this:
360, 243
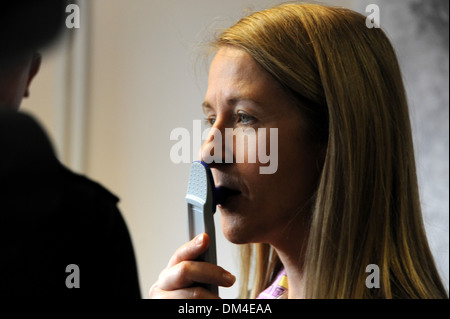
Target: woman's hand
178, 280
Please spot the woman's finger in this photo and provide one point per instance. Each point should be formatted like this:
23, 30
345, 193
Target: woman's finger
187, 273
186, 293
191, 250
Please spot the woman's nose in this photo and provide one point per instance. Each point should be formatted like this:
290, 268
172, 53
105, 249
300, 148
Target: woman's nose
214, 150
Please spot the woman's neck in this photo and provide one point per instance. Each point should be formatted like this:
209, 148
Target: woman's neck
290, 248
294, 272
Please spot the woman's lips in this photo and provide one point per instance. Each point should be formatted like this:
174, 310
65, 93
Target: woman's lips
223, 194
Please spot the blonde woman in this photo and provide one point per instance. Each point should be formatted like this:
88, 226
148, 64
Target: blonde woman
345, 195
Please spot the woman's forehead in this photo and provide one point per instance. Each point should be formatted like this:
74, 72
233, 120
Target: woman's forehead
233, 63
234, 74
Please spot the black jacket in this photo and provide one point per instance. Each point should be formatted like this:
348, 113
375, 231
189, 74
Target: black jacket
51, 218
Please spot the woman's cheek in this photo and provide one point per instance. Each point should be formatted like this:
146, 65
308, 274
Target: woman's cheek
256, 146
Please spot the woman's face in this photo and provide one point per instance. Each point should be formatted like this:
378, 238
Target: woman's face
270, 207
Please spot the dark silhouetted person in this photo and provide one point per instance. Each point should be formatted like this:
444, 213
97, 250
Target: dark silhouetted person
61, 234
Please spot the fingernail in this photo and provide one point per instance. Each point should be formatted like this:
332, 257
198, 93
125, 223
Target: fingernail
199, 239
229, 278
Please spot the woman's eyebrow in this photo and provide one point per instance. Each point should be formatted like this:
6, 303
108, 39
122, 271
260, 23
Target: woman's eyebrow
231, 102
206, 106
236, 100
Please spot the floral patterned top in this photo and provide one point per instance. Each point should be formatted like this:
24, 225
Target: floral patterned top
278, 288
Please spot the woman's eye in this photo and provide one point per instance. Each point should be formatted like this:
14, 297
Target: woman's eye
245, 118
210, 120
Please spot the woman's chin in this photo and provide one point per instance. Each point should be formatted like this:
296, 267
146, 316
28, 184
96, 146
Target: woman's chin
235, 234
238, 231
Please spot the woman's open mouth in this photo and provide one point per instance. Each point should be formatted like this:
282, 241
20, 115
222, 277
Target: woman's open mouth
224, 195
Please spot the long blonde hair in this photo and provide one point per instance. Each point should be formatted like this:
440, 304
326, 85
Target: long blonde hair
366, 209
